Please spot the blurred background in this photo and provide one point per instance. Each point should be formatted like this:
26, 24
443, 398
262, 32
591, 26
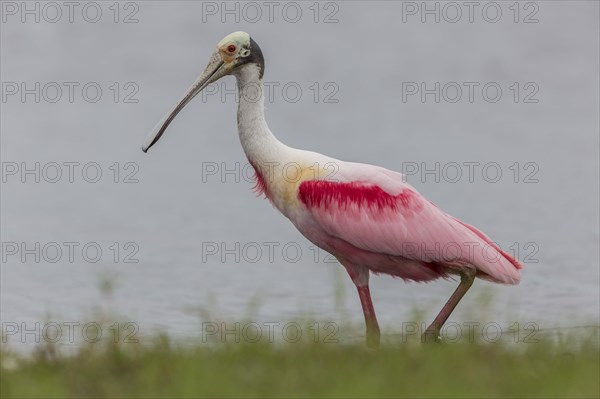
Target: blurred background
492, 112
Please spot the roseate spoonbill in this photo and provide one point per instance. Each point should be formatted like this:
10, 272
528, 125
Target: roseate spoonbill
368, 217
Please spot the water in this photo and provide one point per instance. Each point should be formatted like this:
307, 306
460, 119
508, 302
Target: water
176, 214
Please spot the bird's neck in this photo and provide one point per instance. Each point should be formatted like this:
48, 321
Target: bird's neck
260, 145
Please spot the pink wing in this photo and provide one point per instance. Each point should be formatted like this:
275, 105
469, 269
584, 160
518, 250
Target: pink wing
374, 210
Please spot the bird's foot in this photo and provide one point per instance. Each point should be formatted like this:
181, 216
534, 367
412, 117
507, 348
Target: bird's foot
431, 336
373, 338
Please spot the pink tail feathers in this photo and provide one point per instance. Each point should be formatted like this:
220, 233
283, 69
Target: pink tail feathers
506, 269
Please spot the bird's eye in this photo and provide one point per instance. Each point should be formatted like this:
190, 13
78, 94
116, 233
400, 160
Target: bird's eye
231, 48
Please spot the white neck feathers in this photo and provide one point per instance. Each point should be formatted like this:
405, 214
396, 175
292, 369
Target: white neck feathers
259, 143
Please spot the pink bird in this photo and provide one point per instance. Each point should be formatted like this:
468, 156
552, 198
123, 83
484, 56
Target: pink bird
366, 216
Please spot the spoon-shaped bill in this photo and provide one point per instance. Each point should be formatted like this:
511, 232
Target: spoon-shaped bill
214, 70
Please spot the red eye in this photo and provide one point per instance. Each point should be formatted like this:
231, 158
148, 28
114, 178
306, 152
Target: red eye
231, 48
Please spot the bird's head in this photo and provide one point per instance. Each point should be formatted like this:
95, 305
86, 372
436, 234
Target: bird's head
232, 53
238, 49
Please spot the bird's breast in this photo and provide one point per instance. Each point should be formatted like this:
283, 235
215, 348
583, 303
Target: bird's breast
280, 182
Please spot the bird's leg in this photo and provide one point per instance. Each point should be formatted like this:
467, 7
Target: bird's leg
373, 332
467, 276
360, 278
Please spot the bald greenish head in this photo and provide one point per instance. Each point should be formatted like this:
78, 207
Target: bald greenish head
235, 50
238, 49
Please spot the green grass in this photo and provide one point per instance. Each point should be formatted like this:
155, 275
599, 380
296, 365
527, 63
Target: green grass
550, 368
